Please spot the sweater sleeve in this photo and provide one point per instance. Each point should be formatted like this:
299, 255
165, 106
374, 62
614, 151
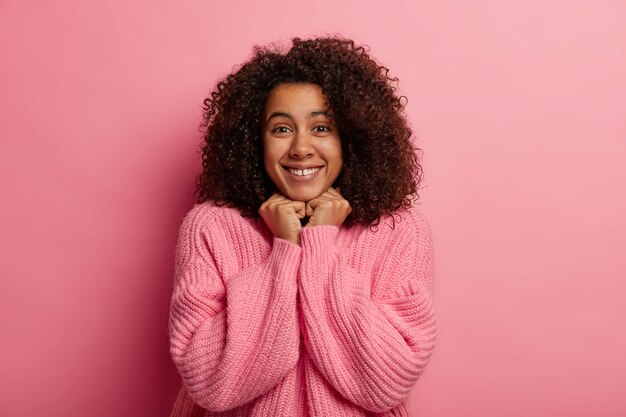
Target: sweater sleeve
232, 338
370, 349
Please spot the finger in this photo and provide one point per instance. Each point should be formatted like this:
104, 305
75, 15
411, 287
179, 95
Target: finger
300, 208
289, 207
276, 197
334, 191
328, 197
315, 203
309, 209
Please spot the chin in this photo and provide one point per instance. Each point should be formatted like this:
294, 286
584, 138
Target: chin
304, 196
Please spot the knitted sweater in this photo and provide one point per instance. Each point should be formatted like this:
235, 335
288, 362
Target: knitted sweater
342, 324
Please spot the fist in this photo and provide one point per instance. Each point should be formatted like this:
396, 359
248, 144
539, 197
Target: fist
329, 208
282, 217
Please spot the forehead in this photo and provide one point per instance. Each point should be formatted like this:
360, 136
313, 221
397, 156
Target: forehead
296, 98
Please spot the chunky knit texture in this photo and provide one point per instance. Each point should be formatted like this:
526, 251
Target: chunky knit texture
341, 325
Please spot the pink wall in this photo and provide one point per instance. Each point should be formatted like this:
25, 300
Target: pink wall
519, 107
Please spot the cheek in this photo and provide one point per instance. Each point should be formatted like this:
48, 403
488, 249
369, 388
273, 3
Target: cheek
268, 151
333, 153
272, 155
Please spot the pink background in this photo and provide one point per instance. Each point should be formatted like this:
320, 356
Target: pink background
520, 110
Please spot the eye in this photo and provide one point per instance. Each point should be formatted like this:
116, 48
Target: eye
322, 128
279, 129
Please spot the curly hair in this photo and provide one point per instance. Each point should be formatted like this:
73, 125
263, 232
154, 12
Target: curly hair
381, 171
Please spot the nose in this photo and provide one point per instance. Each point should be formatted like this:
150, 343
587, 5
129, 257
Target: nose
301, 146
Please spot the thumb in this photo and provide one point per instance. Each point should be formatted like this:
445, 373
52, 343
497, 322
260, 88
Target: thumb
309, 209
300, 209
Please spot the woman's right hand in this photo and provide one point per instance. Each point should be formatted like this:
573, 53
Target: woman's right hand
282, 216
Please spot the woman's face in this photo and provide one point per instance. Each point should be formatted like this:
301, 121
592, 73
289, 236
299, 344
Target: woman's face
301, 148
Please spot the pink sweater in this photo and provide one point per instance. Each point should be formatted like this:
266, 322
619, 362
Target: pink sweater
341, 325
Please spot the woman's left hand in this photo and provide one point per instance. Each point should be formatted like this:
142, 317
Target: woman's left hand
329, 208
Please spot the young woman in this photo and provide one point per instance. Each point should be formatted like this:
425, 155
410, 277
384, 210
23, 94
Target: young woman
304, 273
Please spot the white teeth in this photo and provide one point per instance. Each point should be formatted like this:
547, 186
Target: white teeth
303, 172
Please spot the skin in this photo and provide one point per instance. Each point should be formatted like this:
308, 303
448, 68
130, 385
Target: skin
297, 133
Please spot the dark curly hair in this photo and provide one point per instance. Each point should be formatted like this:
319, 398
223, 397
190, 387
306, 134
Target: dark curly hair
380, 172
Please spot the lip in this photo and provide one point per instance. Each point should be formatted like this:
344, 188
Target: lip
299, 178
302, 166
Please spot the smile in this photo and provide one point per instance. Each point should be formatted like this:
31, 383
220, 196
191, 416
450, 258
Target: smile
303, 172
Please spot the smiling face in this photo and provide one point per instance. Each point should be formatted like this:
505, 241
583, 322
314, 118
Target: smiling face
301, 148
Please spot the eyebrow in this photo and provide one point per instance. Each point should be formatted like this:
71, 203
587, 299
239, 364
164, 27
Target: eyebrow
283, 114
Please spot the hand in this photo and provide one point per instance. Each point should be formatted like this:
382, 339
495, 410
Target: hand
282, 216
329, 208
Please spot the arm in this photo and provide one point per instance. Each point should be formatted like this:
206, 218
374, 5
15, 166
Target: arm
371, 349
232, 338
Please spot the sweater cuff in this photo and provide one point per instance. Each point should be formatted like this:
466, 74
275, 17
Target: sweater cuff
285, 258
319, 243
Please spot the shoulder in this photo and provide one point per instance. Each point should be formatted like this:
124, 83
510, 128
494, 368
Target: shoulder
411, 235
206, 215
405, 232
406, 223
201, 230
400, 250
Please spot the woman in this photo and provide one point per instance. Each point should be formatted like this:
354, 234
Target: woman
303, 279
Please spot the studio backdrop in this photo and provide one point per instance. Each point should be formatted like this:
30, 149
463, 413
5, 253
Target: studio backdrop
518, 108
